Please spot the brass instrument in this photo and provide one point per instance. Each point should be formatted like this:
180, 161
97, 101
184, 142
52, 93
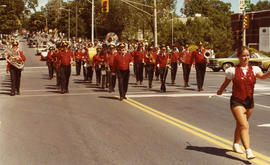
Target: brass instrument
13, 58
169, 61
207, 54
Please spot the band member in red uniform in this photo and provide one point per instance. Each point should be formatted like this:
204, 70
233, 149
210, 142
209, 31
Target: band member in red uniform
97, 66
163, 61
121, 66
56, 58
15, 71
186, 59
156, 51
110, 62
138, 61
78, 59
65, 60
243, 77
150, 61
50, 62
200, 65
174, 60
87, 66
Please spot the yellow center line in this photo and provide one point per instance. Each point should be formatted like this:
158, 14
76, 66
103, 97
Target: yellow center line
194, 130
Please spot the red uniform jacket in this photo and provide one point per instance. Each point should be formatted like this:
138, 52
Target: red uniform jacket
65, 57
121, 62
50, 56
198, 56
138, 56
78, 55
110, 58
243, 85
162, 60
99, 59
23, 58
174, 57
186, 56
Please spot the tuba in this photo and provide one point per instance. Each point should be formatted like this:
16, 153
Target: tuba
13, 58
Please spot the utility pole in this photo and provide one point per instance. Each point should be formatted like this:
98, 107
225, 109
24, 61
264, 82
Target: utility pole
172, 28
155, 22
244, 29
93, 22
76, 33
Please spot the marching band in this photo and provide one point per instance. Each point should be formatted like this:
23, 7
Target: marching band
109, 60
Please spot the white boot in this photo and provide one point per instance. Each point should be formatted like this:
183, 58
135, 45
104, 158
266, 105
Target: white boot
237, 149
249, 154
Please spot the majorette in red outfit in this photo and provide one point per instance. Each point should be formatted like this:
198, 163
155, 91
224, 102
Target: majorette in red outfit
243, 77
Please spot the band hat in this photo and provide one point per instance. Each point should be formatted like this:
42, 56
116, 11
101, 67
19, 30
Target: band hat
200, 43
122, 45
65, 44
15, 43
186, 46
151, 47
112, 46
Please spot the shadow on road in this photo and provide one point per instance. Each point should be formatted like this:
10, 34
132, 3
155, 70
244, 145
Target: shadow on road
216, 151
109, 97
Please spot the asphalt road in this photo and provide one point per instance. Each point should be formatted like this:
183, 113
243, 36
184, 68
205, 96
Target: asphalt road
90, 126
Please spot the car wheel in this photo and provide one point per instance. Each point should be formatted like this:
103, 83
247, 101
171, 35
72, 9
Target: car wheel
215, 69
226, 66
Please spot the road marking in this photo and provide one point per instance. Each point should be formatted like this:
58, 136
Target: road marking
195, 130
178, 95
264, 125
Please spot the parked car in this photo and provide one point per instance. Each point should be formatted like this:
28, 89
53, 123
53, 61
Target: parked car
2, 56
41, 48
257, 59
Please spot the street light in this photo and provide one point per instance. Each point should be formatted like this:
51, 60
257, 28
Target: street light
68, 10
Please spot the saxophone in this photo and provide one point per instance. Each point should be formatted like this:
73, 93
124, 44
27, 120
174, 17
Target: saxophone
14, 58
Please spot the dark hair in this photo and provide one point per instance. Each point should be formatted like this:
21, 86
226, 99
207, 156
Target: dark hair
241, 49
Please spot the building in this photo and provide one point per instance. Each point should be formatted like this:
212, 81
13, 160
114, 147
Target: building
257, 20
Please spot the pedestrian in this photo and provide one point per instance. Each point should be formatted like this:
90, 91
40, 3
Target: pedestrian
138, 61
243, 77
14, 66
50, 62
200, 65
110, 62
121, 66
163, 61
97, 66
174, 63
186, 59
78, 59
65, 67
150, 61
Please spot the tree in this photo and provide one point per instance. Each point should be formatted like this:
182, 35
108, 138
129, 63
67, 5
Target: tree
261, 5
10, 16
215, 30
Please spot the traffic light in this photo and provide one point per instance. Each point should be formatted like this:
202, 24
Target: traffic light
246, 22
241, 35
105, 6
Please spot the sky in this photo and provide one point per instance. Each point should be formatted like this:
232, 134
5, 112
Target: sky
180, 4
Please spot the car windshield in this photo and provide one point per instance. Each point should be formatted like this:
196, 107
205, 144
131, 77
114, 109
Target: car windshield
233, 56
262, 55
